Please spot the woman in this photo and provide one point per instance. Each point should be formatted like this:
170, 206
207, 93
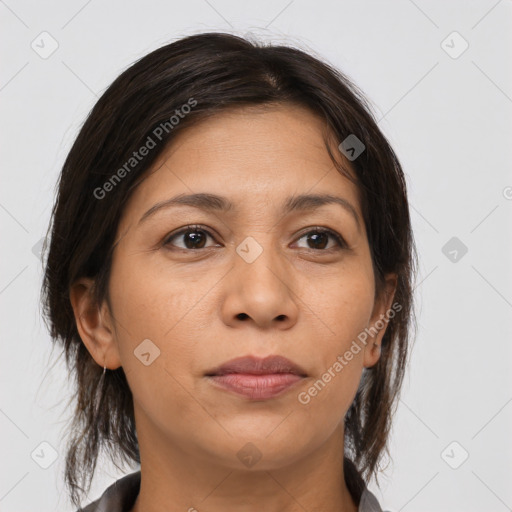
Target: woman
230, 275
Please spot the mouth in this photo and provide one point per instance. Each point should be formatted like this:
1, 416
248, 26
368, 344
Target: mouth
255, 378
251, 365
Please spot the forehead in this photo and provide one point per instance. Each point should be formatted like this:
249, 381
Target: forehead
256, 157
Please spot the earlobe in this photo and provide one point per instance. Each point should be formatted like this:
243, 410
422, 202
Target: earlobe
94, 324
379, 321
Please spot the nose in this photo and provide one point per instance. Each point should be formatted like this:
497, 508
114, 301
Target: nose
260, 292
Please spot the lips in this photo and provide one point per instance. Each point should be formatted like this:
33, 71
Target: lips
257, 379
250, 365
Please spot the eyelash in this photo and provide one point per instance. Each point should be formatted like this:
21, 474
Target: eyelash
317, 230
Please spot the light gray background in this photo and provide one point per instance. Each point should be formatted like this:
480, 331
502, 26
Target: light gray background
449, 120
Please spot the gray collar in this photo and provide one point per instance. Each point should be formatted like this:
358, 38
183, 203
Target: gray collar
121, 496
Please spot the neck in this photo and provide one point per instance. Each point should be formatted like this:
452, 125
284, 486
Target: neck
173, 478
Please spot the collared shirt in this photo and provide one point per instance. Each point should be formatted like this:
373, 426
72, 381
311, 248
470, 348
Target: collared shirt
121, 496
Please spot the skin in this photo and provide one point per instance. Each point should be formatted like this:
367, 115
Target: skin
203, 307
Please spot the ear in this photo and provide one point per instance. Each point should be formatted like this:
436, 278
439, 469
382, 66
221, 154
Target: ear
379, 321
94, 324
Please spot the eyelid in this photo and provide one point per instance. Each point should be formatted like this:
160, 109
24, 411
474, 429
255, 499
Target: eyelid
184, 229
321, 229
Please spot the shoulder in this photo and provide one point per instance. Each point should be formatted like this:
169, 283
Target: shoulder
365, 500
369, 502
118, 497
121, 495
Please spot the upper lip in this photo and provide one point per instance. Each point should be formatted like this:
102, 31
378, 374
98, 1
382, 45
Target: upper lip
258, 366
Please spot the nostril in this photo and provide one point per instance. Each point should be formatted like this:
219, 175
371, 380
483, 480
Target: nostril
242, 316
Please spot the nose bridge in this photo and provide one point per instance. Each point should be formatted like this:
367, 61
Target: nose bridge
258, 259
259, 286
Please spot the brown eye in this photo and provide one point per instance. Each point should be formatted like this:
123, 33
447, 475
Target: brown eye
193, 237
318, 239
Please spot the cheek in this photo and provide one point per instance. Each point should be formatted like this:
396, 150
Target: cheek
149, 300
345, 304
155, 336
167, 306
150, 312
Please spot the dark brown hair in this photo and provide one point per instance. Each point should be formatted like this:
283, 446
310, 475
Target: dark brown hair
212, 72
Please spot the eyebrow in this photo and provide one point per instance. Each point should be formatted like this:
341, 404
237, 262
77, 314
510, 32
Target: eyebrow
213, 202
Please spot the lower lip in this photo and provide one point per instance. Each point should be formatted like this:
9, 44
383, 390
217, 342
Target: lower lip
256, 387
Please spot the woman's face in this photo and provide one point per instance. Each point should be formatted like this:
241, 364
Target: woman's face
253, 279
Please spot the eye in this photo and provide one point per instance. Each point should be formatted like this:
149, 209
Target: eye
319, 237
194, 237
